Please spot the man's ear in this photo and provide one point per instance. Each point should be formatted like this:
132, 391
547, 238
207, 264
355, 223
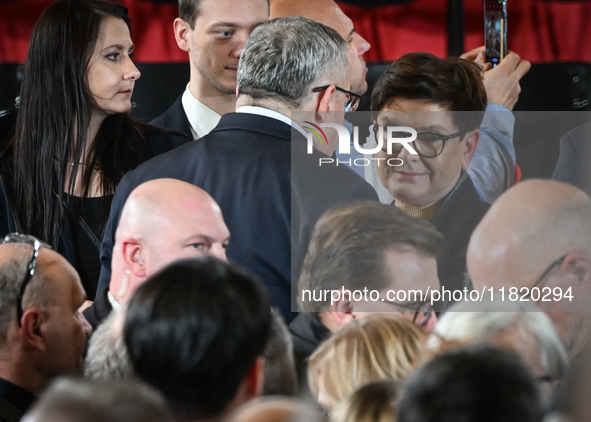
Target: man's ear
255, 379
31, 329
325, 104
134, 257
578, 266
182, 31
339, 313
472, 139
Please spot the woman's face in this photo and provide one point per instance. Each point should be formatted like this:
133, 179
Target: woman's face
111, 73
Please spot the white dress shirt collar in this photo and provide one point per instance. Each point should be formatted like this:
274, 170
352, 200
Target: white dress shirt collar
202, 119
262, 111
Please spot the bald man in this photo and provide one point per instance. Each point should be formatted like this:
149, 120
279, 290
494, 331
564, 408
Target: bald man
492, 169
538, 234
42, 334
162, 220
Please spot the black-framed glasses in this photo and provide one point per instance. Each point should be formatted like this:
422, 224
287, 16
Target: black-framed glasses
427, 144
419, 308
353, 99
37, 244
545, 274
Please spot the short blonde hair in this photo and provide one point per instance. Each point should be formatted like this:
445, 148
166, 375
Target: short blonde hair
374, 348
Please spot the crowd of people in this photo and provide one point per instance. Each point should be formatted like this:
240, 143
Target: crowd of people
221, 264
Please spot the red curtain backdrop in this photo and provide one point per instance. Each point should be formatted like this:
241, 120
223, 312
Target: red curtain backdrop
541, 31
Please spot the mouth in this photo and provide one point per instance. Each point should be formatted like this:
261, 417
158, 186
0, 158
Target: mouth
234, 70
408, 175
126, 92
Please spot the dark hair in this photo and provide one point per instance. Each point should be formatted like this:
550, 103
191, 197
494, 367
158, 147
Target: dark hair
453, 83
52, 123
473, 383
194, 330
189, 11
349, 244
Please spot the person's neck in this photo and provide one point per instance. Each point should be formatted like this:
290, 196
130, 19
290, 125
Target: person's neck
220, 102
244, 100
96, 120
21, 372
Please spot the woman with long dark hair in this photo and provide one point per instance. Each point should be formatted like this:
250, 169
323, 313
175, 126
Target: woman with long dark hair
74, 140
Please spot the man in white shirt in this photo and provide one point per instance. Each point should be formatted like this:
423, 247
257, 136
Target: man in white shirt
213, 32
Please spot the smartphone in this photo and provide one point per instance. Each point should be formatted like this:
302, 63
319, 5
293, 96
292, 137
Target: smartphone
495, 30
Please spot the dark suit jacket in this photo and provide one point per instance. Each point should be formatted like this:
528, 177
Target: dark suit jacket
574, 161
100, 309
174, 118
270, 197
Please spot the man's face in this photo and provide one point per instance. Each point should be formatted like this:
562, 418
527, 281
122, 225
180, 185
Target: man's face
408, 271
195, 228
65, 327
330, 14
420, 180
216, 42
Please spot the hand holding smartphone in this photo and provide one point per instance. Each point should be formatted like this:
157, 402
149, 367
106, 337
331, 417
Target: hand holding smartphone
495, 30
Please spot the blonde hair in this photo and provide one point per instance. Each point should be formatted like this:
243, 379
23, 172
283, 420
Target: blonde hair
374, 348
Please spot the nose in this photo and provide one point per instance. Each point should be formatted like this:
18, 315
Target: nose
131, 71
240, 41
406, 156
361, 45
219, 252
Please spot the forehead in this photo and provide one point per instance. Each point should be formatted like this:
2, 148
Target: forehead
331, 15
195, 216
418, 114
236, 12
113, 31
410, 270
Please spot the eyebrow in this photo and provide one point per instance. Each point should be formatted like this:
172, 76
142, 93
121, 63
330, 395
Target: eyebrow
192, 239
118, 47
224, 25
389, 122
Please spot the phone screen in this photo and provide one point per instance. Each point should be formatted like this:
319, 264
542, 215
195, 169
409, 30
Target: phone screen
495, 30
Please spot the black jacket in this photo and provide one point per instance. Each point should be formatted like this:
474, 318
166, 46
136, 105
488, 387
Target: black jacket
174, 118
456, 218
99, 310
270, 197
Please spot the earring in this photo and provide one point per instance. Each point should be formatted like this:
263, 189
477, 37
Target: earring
124, 284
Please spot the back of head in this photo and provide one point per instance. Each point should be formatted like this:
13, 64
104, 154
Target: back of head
518, 326
107, 358
79, 400
284, 58
472, 384
280, 371
374, 402
349, 245
374, 348
194, 331
453, 84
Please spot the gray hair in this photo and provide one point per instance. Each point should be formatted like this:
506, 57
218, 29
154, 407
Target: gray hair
280, 372
107, 358
12, 275
80, 400
460, 323
283, 58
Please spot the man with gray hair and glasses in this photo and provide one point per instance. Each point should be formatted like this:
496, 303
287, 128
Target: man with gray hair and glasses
42, 334
255, 163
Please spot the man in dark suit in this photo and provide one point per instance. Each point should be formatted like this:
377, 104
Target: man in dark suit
575, 157
213, 32
255, 163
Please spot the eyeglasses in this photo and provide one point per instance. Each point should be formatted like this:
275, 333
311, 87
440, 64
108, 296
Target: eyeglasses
419, 308
544, 275
37, 244
427, 144
353, 99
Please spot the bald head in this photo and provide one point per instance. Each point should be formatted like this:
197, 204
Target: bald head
164, 220
526, 229
330, 14
538, 234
